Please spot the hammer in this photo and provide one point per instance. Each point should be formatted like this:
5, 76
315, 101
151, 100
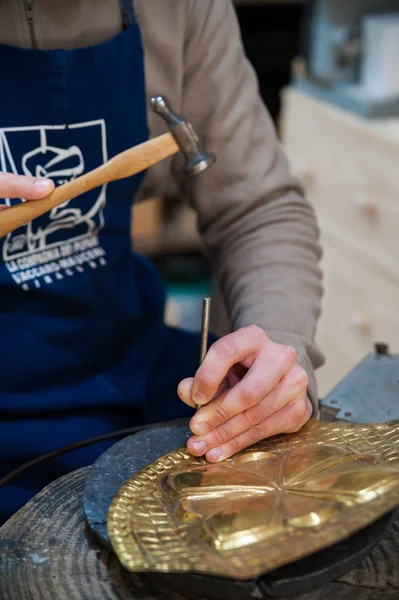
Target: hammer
181, 137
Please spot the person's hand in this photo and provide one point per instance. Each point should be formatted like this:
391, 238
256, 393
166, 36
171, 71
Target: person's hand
20, 186
249, 388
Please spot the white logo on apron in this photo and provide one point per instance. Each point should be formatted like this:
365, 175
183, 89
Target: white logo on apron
65, 240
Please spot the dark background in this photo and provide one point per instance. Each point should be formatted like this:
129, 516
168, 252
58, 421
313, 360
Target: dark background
272, 36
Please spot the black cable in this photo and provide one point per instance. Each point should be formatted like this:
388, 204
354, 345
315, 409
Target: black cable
75, 446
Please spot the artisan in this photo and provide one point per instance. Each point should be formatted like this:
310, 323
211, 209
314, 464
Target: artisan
84, 349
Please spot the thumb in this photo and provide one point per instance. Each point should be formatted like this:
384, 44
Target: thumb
20, 186
184, 391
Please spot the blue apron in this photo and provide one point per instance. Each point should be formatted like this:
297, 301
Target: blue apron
83, 349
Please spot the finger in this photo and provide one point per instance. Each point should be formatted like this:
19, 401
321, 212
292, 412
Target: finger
291, 387
289, 419
270, 367
222, 355
185, 387
20, 186
235, 375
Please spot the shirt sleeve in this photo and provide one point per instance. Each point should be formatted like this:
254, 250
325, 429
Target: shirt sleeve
258, 229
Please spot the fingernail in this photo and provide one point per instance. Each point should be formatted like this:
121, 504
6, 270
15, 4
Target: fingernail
199, 398
44, 185
216, 454
199, 447
200, 428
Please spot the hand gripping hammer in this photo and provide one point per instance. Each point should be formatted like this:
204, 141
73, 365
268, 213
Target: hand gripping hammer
181, 137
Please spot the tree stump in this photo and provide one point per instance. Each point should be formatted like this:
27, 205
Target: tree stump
48, 553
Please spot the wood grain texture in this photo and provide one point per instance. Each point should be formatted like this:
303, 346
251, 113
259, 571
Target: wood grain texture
359, 308
128, 163
348, 166
47, 553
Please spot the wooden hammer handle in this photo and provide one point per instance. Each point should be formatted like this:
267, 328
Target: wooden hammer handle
123, 165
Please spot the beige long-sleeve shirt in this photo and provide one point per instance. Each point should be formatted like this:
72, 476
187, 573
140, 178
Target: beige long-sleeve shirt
259, 231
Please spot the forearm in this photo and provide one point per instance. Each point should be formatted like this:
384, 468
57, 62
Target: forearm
267, 268
258, 229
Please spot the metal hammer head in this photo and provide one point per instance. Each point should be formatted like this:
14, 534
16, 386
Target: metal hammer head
197, 159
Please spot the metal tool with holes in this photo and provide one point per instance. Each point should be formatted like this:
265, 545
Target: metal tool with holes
181, 137
369, 393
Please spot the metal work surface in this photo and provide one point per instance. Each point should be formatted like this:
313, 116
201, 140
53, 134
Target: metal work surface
270, 505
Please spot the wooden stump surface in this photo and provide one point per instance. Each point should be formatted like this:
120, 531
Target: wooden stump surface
48, 553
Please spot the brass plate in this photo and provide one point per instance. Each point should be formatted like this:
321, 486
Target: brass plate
270, 505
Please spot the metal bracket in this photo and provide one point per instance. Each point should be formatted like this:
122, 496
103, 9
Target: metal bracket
369, 393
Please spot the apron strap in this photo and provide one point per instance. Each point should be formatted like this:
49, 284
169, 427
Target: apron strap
128, 13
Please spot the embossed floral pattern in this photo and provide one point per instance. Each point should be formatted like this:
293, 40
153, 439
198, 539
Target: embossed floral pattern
257, 495
269, 505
